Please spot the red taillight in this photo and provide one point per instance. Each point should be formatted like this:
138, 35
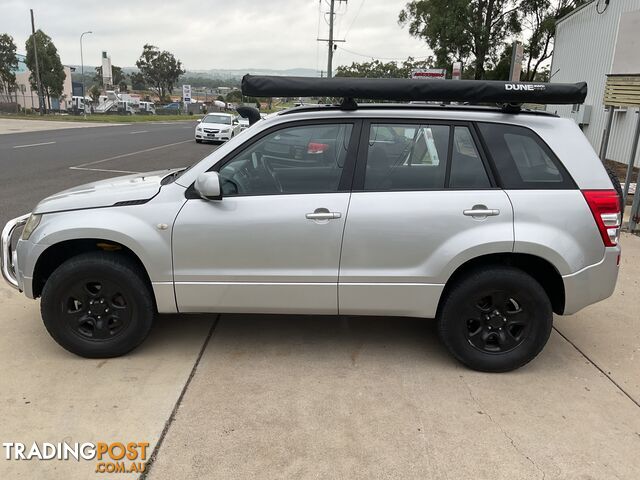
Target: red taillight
605, 206
314, 148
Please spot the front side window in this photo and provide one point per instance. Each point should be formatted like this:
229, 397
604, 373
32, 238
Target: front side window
406, 157
306, 159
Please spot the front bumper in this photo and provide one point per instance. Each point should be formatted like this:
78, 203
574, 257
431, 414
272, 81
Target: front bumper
591, 284
9, 257
213, 137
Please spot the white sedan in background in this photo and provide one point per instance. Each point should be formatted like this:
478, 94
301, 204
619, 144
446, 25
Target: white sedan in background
217, 127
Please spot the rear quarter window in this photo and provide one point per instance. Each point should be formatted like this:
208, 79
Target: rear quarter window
522, 160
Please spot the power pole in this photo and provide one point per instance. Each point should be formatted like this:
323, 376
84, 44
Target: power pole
330, 58
331, 41
35, 52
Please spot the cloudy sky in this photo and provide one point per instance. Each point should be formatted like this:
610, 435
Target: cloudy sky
204, 34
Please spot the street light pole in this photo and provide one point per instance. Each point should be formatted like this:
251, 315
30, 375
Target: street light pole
84, 108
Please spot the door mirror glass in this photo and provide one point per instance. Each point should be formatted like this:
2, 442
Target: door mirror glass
208, 186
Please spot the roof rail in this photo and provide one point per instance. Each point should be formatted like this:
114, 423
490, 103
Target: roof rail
509, 94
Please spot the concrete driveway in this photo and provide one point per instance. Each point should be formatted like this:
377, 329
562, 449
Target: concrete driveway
326, 397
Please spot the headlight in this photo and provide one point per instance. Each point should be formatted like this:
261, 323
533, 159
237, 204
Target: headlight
226, 130
32, 224
199, 129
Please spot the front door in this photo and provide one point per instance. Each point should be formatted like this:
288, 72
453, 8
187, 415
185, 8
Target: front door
272, 244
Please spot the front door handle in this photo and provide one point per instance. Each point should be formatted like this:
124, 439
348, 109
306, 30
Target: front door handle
322, 214
479, 211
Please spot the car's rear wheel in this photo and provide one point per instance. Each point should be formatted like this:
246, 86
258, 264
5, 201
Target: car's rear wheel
97, 305
495, 319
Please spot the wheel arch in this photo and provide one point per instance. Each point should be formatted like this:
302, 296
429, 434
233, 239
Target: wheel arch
539, 268
58, 253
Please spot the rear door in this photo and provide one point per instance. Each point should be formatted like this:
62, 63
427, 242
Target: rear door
424, 202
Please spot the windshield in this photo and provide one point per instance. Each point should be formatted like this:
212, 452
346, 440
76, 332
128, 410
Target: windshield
217, 119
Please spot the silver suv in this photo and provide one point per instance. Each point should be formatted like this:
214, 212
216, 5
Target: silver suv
487, 221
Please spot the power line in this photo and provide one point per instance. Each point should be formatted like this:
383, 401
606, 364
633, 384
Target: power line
354, 19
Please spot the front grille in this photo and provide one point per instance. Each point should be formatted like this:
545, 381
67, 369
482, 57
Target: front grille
210, 130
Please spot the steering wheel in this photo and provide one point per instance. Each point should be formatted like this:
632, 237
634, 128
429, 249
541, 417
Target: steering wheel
265, 166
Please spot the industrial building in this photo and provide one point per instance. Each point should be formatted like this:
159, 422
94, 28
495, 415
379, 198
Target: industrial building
586, 43
28, 98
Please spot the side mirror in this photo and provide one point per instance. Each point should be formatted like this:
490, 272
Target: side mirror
199, 120
208, 186
236, 122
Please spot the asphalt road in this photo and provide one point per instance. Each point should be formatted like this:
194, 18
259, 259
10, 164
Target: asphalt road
37, 164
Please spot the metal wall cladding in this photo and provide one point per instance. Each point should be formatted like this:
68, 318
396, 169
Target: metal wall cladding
584, 48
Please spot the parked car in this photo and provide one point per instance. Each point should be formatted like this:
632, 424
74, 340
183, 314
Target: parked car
217, 127
485, 220
172, 108
244, 123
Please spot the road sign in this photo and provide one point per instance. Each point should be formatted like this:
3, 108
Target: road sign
186, 93
457, 71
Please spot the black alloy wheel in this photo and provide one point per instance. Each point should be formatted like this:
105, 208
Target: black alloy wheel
495, 318
98, 305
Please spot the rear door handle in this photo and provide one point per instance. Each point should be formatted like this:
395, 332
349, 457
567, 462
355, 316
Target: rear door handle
481, 211
322, 214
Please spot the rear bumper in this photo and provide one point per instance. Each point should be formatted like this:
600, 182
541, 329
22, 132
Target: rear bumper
591, 284
9, 257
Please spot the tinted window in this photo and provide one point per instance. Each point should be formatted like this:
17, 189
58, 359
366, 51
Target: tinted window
522, 159
406, 157
467, 169
306, 159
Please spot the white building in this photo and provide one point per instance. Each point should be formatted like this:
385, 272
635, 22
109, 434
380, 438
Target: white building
28, 98
584, 51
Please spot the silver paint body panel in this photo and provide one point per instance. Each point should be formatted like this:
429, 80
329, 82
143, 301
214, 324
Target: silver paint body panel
389, 253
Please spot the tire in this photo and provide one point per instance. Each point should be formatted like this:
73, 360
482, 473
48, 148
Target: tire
616, 184
117, 324
198, 141
491, 341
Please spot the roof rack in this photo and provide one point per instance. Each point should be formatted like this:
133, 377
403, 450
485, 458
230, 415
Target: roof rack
416, 106
509, 94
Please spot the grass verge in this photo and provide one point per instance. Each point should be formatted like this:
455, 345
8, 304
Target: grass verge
103, 118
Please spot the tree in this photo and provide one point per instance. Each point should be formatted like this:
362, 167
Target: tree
468, 31
234, 96
8, 65
51, 70
479, 33
539, 19
94, 93
118, 75
378, 69
137, 81
160, 69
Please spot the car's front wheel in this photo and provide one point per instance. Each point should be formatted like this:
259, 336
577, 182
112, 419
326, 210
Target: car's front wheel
97, 305
495, 319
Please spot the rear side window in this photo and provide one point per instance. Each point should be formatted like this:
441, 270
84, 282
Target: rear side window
522, 159
407, 157
467, 169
